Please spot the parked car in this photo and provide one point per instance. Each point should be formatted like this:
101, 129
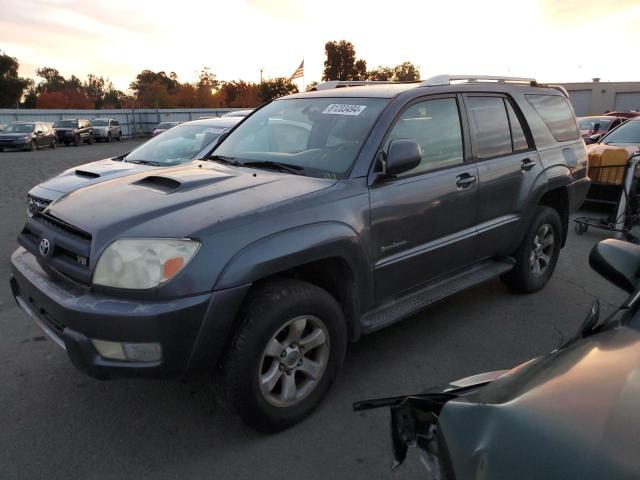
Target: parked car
238, 113
163, 127
74, 131
27, 136
623, 114
265, 258
607, 163
571, 414
106, 129
181, 145
593, 128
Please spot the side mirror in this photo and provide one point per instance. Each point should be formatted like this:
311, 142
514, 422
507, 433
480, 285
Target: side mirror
595, 138
403, 155
618, 262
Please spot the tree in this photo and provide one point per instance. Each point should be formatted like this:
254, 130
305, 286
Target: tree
277, 87
239, 93
341, 62
52, 80
152, 89
12, 86
94, 88
406, 72
380, 74
311, 86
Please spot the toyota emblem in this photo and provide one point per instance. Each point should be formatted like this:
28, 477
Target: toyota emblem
44, 247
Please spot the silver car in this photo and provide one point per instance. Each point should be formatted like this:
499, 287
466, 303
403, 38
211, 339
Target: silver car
106, 129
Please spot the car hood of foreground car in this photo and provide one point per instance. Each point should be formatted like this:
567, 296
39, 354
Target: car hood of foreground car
179, 201
574, 413
84, 176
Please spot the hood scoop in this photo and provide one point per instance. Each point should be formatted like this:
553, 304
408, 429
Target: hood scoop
86, 174
162, 184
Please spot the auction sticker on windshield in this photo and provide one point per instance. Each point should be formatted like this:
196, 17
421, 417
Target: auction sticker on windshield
344, 109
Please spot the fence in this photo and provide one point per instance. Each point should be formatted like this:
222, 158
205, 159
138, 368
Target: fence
134, 122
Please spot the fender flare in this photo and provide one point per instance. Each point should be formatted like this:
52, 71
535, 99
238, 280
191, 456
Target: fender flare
298, 246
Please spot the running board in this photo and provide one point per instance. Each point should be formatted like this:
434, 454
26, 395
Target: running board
402, 307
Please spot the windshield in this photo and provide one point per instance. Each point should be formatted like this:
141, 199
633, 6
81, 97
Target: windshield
177, 145
19, 128
590, 123
100, 123
66, 124
321, 135
626, 133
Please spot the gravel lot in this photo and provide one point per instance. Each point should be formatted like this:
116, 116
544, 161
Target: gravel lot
57, 423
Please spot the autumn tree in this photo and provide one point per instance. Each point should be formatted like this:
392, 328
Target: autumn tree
406, 72
341, 63
12, 86
239, 93
274, 88
153, 89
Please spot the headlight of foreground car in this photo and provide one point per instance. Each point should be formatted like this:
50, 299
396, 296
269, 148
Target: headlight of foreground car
143, 263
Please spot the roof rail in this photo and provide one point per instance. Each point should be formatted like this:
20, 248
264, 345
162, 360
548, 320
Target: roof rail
439, 80
353, 83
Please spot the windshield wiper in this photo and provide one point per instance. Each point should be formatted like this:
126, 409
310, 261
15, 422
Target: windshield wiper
283, 167
145, 162
223, 159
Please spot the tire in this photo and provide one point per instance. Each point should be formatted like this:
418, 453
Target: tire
76, 140
90, 140
539, 247
119, 137
271, 317
66, 143
54, 144
1, 149
109, 137
32, 147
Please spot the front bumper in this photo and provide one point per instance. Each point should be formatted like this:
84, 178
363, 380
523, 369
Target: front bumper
14, 143
71, 315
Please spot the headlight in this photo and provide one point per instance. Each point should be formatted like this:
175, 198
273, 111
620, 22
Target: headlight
27, 138
143, 263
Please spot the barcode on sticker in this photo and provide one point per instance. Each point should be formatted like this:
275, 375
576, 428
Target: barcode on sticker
344, 109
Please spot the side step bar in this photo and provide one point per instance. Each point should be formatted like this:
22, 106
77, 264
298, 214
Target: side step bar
405, 306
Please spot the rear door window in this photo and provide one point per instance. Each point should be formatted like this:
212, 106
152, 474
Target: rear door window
489, 126
557, 116
518, 138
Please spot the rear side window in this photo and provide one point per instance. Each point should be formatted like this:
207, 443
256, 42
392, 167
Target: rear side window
489, 126
557, 116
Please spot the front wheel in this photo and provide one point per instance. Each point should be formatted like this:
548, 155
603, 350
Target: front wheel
90, 141
32, 146
537, 255
285, 355
54, 144
76, 140
119, 136
109, 137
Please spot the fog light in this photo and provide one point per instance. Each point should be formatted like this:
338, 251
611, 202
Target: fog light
132, 352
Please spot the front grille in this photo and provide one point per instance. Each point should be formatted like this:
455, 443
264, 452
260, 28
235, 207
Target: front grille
36, 204
68, 247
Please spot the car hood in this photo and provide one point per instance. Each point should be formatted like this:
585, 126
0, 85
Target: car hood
571, 414
84, 176
179, 201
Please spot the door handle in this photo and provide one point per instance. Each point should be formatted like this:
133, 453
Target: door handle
527, 164
465, 181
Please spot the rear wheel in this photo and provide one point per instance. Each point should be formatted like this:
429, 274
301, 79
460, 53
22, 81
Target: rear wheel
109, 137
119, 135
537, 255
54, 144
76, 140
285, 355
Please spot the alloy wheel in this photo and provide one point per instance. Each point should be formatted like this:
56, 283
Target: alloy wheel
542, 250
294, 361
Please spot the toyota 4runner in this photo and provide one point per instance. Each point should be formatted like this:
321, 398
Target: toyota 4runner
321, 217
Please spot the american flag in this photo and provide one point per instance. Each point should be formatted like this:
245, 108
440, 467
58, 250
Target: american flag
299, 71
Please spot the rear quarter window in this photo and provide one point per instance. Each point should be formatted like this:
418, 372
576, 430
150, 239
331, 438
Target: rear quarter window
557, 116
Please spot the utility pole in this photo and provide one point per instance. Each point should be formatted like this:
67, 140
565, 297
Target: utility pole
261, 70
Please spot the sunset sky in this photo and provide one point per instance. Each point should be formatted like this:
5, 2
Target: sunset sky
552, 40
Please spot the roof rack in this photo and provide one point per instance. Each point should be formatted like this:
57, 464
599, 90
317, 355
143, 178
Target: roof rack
446, 79
354, 83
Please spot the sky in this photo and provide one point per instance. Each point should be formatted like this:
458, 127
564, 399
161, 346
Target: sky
550, 40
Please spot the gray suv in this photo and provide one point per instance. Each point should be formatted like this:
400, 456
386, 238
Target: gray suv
323, 216
106, 129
